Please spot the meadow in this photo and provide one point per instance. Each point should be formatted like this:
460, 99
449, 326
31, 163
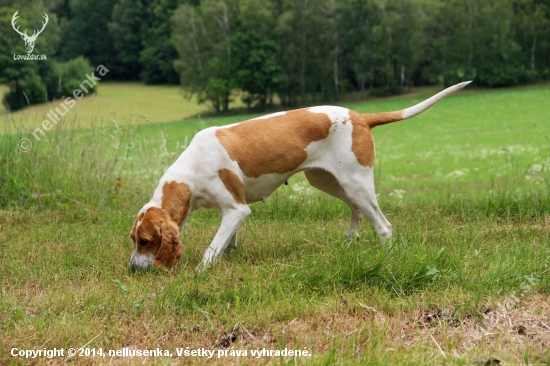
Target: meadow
116, 103
466, 186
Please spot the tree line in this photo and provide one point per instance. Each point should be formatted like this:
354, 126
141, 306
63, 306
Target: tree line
292, 51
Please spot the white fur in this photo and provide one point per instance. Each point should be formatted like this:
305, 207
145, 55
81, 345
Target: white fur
141, 261
421, 107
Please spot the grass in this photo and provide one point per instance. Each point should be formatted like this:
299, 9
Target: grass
467, 194
121, 103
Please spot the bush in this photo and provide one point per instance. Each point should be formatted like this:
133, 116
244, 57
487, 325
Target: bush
65, 77
26, 91
59, 80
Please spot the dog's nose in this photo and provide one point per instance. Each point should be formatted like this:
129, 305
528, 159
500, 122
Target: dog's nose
134, 264
138, 261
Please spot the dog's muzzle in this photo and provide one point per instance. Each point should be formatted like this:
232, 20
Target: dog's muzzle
140, 261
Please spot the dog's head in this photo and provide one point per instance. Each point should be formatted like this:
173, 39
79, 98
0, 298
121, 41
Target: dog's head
155, 237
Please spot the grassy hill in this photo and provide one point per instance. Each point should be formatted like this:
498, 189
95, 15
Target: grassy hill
120, 103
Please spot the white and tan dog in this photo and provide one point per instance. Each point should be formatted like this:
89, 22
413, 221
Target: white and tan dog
226, 168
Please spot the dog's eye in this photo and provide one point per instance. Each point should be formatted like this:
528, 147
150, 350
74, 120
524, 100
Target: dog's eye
143, 242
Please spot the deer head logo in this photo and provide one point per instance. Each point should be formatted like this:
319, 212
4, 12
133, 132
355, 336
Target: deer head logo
29, 40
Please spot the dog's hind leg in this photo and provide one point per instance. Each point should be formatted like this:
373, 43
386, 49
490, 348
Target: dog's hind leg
326, 182
360, 189
370, 208
232, 244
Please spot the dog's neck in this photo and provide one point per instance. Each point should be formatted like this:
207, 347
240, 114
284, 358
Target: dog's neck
176, 200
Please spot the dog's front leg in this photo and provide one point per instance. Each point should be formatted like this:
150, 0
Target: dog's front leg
232, 244
231, 221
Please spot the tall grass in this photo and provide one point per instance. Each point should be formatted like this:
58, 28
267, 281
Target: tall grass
101, 167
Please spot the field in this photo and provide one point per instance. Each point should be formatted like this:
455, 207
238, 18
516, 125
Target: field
115, 103
466, 186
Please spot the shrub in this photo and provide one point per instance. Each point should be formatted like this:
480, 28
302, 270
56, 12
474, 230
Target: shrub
25, 91
59, 79
65, 77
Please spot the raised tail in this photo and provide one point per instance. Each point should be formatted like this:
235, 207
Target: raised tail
377, 119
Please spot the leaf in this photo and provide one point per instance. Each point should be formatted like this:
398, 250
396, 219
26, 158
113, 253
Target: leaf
432, 270
122, 287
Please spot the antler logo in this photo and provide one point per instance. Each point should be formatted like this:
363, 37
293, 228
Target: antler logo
29, 40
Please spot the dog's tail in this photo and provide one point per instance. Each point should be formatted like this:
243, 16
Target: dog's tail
378, 119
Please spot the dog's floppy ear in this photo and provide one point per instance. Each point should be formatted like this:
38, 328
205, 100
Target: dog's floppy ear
132, 232
170, 251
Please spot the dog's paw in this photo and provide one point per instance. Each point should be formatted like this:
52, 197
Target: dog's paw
386, 242
201, 267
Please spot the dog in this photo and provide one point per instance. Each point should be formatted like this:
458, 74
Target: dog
226, 168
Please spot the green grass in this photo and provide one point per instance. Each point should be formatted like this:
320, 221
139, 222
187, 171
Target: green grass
463, 243
120, 103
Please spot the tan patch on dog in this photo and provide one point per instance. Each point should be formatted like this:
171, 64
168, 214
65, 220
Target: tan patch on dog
362, 145
158, 235
377, 119
149, 230
176, 199
276, 144
159, 229
233, 184
362, 141
170, 251
133, 231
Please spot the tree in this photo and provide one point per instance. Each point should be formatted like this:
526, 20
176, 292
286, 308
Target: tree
317, 53
159, 52
254, 67
23, 78
126, 29
87, 32
203, 42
